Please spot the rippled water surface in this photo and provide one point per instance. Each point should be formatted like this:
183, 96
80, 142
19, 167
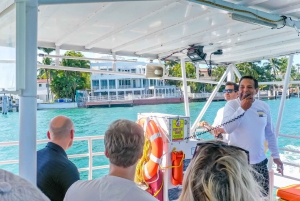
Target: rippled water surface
94, 122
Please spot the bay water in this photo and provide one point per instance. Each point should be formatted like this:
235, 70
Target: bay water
94, 122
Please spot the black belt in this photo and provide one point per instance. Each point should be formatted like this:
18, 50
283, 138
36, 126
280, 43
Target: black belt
264, 162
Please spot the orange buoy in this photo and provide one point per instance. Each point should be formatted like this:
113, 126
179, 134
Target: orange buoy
177, 167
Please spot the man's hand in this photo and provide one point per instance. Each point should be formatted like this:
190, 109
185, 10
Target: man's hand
279, 165
218, 131
247, 101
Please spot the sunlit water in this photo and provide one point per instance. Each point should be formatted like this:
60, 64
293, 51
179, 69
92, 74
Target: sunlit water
94, 122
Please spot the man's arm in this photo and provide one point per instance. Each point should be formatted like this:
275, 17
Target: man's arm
270, 136
231, 111
272, 142
217, 122
218, 118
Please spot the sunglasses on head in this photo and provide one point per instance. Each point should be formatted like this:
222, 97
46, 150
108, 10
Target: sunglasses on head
229, 90
199, 145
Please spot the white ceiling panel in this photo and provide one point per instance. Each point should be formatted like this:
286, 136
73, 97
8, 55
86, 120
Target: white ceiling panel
159, 28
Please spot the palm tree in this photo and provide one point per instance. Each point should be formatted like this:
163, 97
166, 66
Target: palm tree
218, 72
45, 72
275, 63
248, 68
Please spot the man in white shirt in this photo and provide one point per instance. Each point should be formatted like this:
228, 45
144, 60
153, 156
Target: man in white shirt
124, 141
249, 126
230, 93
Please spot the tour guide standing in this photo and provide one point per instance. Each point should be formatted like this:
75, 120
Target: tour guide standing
250, 130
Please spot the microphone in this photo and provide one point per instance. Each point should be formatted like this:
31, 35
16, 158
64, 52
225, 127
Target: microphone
246, 95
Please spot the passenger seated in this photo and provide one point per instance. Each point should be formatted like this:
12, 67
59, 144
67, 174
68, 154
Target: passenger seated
124, 141
219, 172
15, 188
55, 172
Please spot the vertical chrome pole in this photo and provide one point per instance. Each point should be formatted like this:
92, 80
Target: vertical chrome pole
279, 118
230, 76
284, 92
57, 52
185, 93
27, 132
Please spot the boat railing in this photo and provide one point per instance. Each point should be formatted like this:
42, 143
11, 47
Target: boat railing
287, 163
204, 95
129, 97
90, 153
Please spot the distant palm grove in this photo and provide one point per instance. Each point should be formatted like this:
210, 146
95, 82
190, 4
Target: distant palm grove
264, 71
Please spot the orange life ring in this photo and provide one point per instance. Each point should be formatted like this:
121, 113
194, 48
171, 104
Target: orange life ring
152, 133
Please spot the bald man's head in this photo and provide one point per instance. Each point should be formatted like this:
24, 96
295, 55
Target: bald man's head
60, 127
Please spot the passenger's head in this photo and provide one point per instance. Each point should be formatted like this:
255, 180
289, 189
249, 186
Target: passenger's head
231, 91
219, 172
248, 85
15, 188
61, 131
124, 141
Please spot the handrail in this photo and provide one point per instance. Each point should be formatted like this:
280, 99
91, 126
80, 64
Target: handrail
289, 150
90, 153
287, 177
291, 164
289, 136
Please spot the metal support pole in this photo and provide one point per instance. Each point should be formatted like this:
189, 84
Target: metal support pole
114, 67
57, 52
237, 72
197, 71
230, 76
90, 147
284, 92
279, 118
195, 125
27, 132
185, 93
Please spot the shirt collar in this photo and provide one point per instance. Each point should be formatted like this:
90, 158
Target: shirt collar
56, 147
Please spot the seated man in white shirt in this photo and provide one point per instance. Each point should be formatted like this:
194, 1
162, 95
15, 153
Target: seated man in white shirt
230, 93
124, 141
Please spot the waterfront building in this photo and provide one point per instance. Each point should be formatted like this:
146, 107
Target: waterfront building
126, 86
42, 91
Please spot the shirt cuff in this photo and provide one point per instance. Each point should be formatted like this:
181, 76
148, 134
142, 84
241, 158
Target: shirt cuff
275, 155
240, 110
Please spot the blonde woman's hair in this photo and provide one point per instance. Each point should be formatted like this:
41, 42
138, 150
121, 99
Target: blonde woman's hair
220, 173
124, 141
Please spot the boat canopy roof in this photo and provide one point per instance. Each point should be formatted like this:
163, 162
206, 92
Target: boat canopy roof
165, 29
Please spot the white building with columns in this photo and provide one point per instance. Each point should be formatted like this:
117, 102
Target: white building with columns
126, 85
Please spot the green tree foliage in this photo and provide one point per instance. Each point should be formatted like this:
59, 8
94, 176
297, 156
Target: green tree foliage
272, 70
65, 83
174, 69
